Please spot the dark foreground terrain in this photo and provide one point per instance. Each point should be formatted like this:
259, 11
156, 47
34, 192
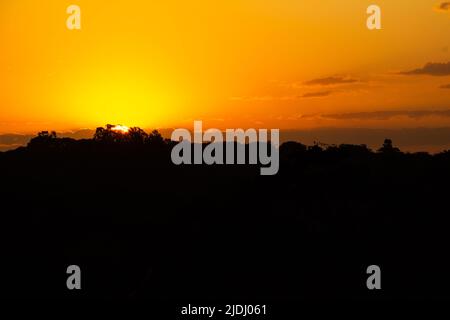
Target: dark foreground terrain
141, 227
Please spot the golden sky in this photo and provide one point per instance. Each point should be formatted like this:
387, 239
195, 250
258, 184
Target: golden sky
235, 63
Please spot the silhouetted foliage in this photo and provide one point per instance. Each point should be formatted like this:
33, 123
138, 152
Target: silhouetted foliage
142, 227
388, 147
137, 136
155, 138
43, 139
104, 135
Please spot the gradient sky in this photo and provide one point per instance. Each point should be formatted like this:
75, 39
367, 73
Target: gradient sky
235, 63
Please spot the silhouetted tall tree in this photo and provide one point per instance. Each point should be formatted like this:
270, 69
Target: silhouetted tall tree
137, 136
388, 147
44, 138
155, 138
108, 135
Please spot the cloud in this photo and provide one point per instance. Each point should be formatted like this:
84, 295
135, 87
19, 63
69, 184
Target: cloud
432, 69
386, 115
444, 6
264, 98
445, 86
329, 81
316, 94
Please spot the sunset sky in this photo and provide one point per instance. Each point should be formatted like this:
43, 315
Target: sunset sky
289, 64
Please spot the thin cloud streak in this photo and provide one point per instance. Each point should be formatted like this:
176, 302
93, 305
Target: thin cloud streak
329, 81
316, 94
432, 69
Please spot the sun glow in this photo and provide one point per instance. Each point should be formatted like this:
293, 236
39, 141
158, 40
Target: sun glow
120, 128
147, 64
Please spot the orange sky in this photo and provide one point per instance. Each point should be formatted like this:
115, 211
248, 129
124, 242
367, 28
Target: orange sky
235, 63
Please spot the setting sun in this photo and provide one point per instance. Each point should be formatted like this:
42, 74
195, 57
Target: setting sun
120, 128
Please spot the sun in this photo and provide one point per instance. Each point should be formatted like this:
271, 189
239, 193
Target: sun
120, 128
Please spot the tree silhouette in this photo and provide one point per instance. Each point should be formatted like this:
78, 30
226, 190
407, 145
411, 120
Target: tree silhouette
44, 138
105, 135
121, 191
155, 138
388, 147
136, 135
108, 135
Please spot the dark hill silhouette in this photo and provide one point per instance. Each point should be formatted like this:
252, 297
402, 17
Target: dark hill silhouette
141, 227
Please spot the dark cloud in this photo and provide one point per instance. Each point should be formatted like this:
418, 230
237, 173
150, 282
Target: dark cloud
329, 81
445, 86
444, 6
386, 115
316, 94
432, 69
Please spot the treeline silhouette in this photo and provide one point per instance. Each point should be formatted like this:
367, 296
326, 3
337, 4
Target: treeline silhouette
142, 227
